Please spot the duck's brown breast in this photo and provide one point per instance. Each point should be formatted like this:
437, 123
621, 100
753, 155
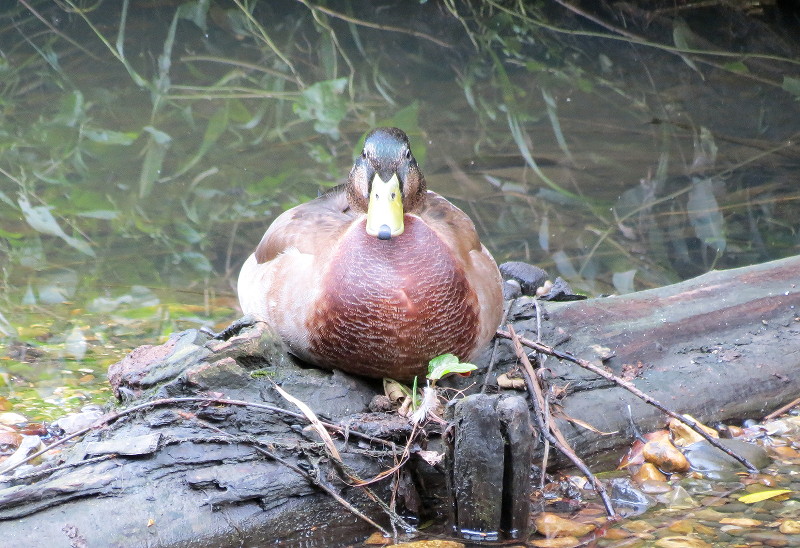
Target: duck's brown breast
387, 307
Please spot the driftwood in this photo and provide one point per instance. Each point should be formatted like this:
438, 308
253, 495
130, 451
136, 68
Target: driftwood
723, 346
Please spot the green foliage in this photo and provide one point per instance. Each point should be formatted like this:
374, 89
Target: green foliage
446, 364
323, 104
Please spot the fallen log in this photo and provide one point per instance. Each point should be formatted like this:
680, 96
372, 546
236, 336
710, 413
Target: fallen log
722, 346
181, 472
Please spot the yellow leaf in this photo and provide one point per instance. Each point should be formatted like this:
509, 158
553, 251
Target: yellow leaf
763, 495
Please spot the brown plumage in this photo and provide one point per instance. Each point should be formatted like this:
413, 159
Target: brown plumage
375, 294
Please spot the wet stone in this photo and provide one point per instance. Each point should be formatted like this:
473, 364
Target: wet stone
768, 538
734, 508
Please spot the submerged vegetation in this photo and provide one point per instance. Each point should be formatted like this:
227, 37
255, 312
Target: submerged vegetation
144, 146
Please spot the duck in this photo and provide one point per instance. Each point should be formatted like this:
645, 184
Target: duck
377, 276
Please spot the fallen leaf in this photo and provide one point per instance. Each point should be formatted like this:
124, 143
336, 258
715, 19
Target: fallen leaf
750, 498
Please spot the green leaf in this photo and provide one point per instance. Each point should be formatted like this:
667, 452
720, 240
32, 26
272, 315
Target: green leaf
446, 364
736, 66
197, 261
195, 12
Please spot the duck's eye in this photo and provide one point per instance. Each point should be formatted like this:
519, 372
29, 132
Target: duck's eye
363, 153
408, 154
393, 195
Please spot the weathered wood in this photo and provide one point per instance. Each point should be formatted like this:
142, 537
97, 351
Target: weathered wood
724, 345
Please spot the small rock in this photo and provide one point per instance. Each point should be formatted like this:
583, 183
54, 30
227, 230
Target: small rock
741, 522
681, 542
648, 472
552, 525
380, 403
665, 456
560, 542
10, 419
790, 527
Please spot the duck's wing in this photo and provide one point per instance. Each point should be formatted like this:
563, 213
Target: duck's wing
310, 228
452, 225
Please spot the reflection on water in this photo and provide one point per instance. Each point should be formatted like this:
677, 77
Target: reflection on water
137, 179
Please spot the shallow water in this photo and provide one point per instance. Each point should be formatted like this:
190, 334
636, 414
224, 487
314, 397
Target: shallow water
127, 207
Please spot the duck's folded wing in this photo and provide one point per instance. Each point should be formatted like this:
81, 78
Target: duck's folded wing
310, 228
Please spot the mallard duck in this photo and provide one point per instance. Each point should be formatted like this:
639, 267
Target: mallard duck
377, 277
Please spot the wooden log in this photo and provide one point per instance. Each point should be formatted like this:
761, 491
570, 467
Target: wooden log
724, 345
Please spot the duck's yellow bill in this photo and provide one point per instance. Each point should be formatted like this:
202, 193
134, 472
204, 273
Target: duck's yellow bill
385, 209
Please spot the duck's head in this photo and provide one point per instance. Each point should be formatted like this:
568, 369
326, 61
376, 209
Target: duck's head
386, 182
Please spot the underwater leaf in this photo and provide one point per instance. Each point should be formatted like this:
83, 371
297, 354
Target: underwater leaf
705, 151
104, 214
110, 137
681, 34
6, 329
217, 125
705, 215
750, 498
75, 344
40, 219
555, 124
324, 104
792, 85
623, 281
544, 233
4, 198
195, 12
72, 110
155, 151
197, 261
736, 66
407, 119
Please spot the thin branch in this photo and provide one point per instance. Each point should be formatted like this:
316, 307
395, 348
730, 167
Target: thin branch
315, 479
539, 347
549, 429
105, 421
368, 24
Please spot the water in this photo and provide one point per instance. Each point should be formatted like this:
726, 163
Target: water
133, 187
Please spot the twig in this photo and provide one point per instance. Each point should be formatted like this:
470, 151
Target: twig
57, 32
105, 421
315, 479
539, 347
550, 430
369, 24
782, 410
